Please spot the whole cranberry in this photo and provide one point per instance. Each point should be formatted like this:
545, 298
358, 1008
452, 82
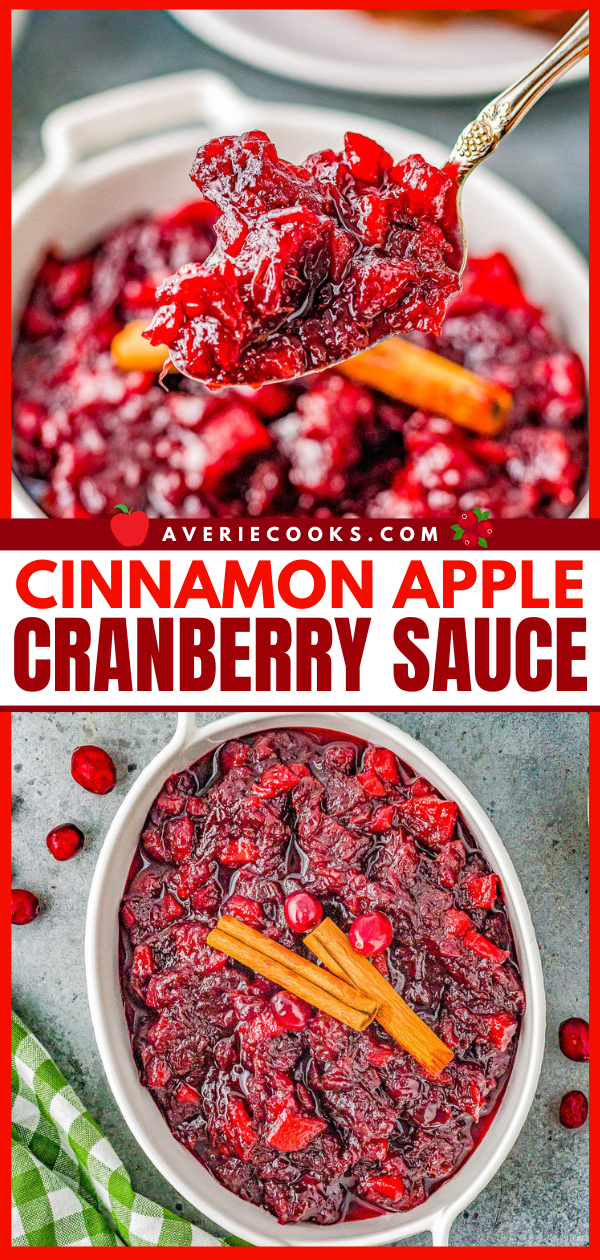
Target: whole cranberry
64, 841
290, 1010
24, 906
467, 519
371, 933
469, 539
573, 1109
486, 529
93, 769
302, 912
574, 1039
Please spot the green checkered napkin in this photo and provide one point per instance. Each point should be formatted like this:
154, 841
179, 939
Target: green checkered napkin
69, 1187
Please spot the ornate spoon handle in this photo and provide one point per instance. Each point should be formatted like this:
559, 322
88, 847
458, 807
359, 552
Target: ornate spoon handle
481, 136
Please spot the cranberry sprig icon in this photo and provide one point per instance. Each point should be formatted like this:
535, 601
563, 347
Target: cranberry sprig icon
473, 528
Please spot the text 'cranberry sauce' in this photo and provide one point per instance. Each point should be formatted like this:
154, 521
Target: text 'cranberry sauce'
286, 1106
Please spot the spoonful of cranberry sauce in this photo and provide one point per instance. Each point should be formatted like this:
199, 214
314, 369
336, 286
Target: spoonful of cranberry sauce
316, 263
312, 263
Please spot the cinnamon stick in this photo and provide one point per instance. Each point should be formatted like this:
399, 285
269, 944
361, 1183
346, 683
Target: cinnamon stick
330, 944
293, 981
338, 987
432, 383
132, 353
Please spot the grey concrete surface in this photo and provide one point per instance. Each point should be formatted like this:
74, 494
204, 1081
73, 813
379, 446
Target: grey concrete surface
68, 53
528, 771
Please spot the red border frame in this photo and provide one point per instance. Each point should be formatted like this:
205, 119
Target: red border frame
5, 716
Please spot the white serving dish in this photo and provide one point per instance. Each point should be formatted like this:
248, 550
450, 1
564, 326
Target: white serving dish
18, 22
137, 1106
347, 49
127, 151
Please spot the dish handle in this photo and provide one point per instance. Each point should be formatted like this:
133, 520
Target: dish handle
85, 128
440, 1230
185, 730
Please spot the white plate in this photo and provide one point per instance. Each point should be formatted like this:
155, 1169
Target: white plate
345, 48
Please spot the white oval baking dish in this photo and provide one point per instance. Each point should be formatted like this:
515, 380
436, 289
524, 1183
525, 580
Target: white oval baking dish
137, 1106
123, 152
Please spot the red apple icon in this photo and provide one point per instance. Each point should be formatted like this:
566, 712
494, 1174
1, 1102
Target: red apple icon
131, 528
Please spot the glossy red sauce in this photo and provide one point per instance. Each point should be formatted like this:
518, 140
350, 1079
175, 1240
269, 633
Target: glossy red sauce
88, 435
315, 1123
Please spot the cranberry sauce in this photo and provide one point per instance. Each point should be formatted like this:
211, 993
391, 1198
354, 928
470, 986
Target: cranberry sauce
312, 263
285, 1106
88, 435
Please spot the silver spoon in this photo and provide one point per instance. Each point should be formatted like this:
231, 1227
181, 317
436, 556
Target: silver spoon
480, 137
